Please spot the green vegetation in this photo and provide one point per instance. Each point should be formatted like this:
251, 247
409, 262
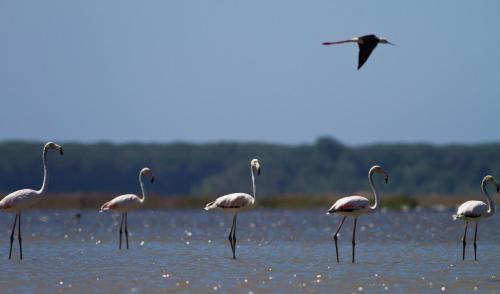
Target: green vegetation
182, 169
91, 200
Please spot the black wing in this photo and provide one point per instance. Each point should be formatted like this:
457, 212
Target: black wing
365, 50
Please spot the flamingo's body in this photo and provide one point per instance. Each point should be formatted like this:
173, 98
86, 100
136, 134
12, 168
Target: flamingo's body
366, 45
235, 203
20, 200
356, 206
474, 211
127, 202
351, 206
26, 198
123, 203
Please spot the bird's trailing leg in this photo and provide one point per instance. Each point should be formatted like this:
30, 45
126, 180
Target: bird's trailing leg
475, 245
121, 226
464, 242
12, 236
126, 228
354, 238
335, 238
19, 237
354, 40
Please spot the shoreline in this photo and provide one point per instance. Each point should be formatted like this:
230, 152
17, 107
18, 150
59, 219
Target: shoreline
81, 200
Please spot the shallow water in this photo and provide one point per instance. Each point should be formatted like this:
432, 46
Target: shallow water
278, 251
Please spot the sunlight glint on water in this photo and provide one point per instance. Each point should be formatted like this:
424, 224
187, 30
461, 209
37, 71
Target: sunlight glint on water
277, 250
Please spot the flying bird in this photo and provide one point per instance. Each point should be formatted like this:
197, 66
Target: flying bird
26, 198
366, 45
474, 211
127, 202
355, 206
235, 203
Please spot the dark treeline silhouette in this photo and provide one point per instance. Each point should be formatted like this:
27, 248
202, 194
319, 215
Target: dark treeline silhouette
197, 169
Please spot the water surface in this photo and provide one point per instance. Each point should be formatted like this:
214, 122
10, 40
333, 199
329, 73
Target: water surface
278, 251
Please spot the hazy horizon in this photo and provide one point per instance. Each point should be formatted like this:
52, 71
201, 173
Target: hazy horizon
222, 141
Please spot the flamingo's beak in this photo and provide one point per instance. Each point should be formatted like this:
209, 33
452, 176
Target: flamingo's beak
257, 167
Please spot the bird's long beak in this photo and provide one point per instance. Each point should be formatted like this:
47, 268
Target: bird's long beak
152, 179
391, 43
61, 151
386, 178
498, 188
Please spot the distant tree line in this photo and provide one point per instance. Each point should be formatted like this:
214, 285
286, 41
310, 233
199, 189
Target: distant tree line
217, 168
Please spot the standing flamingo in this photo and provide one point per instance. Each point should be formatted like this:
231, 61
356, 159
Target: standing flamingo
124, 203
355, 206
236, 202
474, 211
366, 45
25, 198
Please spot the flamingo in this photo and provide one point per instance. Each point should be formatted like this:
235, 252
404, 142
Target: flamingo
124, 203
355, 206
235, 203
474, 211
25, 198
366, 45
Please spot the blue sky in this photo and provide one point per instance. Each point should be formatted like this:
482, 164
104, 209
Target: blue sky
204, 71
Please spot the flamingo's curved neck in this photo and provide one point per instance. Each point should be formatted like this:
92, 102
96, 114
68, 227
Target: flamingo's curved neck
142, 188
43, 189
491, 205
253, 182
375, 191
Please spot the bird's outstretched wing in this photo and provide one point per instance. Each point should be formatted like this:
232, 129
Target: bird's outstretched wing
365, 50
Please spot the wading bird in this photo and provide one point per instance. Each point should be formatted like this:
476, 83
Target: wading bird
366, 45
355, 206
235, 203
124, 203
26, 198
474, 211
